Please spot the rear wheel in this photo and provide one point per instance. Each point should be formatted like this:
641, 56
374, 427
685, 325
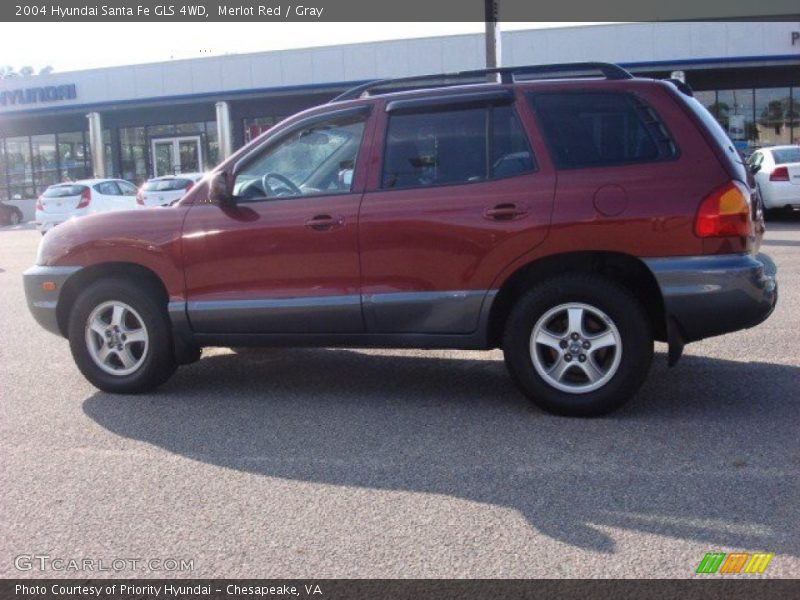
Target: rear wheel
15, 218
578, 345
120, 336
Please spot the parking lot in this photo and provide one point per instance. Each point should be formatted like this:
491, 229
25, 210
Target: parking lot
341, 463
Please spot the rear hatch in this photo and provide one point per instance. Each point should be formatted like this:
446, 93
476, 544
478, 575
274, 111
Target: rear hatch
164, 191
731, 159
60, 199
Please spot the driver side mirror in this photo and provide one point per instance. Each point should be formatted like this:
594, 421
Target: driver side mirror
219, 189
755, 169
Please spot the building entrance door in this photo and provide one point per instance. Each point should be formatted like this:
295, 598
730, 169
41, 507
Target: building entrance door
177, 155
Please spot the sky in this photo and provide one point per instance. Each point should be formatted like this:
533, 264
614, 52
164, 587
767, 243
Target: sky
76, 46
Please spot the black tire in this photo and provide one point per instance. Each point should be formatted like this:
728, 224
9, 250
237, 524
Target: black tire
15, 218
158, 362
776, 214
618, 304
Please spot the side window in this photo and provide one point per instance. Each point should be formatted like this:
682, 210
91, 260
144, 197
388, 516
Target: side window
108, 188
316, 160
126, 188
601, 129
450, 147
511, 154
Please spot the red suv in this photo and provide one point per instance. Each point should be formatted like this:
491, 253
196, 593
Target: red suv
569, 220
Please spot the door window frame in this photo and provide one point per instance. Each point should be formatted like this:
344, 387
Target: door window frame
511, 98
359, 168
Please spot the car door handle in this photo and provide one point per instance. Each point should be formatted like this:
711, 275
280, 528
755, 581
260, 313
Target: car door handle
505, 212
324, 222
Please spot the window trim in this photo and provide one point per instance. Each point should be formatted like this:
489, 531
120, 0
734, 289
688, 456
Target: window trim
489, 126
253, 153
629, 95
447, 102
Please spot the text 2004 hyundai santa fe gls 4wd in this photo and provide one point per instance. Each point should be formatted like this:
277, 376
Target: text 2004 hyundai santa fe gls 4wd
569, 221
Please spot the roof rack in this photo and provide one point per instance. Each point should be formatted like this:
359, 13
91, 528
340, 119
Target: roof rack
507, 75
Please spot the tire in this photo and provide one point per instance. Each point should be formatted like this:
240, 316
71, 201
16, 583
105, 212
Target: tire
15, 218
612, 319
776, 214
134, 308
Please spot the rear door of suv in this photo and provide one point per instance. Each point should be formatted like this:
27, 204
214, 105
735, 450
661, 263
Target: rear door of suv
458, 189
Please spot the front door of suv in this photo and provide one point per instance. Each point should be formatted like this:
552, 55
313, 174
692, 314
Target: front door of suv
284, 257
461, 194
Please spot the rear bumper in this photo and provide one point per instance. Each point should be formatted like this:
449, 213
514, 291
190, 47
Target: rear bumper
712, 295
43, 303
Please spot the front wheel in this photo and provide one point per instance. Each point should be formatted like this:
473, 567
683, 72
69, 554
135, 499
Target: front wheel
578, 345
119, 334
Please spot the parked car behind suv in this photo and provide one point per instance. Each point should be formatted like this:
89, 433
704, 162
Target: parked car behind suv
777, 176
64, 201
570, 222
163, 191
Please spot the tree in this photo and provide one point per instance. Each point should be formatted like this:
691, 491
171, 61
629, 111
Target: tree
26, 71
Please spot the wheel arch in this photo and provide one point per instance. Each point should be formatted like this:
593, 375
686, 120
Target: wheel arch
628, 270
88, 275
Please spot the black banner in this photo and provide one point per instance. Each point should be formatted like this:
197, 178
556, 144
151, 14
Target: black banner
734, 588
395, 11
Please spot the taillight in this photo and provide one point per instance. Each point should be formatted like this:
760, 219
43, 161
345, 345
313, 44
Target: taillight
86, 197
725, 212
39, 205
779, 174
139, 198
189, 185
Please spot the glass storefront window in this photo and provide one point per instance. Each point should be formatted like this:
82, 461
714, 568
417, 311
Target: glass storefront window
72, 156
20, 168
793, 115
213, 144
3, 180
773, 107
109, 153
133, 147
735, 111
45, 164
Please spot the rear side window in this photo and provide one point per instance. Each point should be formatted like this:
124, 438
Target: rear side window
601, 129
451, 147
61, 191
786, 155
166, 185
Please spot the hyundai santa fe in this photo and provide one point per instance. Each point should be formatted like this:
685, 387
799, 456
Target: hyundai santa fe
568, 214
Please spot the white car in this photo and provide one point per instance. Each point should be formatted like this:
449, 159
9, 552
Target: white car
163, 191
64, 201
777, 174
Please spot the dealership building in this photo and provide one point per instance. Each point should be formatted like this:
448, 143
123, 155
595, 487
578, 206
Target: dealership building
185, 115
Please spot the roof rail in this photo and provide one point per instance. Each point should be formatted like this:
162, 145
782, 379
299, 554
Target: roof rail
507, 75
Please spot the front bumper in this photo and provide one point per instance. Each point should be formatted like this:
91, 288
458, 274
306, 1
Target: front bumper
44, 302
712, 295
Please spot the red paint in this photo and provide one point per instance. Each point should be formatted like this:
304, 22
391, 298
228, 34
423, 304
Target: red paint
422, 239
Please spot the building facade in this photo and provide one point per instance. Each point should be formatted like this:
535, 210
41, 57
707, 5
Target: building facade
162, 118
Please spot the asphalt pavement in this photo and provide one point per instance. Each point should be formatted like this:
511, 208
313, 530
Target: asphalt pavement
386, 463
